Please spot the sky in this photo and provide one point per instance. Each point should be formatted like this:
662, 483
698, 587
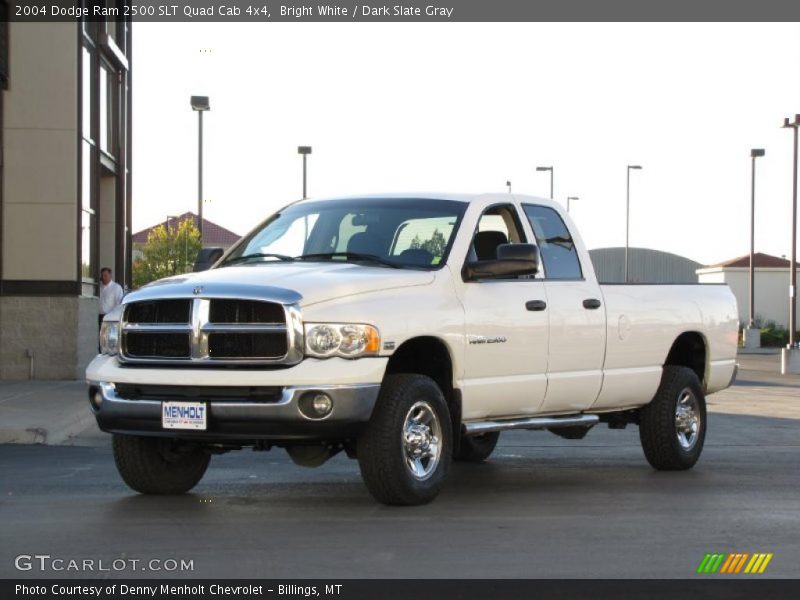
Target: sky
465, 107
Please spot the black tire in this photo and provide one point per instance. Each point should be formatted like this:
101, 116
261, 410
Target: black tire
152, 465
381, 448
476, 448
658, 429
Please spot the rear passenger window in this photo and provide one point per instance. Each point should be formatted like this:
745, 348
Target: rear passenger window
557, 249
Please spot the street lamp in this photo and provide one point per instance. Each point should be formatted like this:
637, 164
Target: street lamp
305, 151
551, 178
791, 355
752, 336
571, 198
628, 217
200, 104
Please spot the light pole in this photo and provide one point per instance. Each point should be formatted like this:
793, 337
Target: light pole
571, 198
752, 336
791, 354
628, 217
305, 151
200, 104
550, 168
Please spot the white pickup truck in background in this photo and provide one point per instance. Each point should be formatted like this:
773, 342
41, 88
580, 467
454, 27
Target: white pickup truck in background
406, 331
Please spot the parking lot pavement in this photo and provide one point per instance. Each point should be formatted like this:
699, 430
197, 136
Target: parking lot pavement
540, 507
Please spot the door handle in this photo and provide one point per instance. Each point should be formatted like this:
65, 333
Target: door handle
535, 305
592, 303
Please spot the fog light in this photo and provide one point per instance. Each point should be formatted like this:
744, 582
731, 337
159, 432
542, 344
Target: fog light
96, 398
322, 404
316, 405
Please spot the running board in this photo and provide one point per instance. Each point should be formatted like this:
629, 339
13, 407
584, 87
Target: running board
531, 423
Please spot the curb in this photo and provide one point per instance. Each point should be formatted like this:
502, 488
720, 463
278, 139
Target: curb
69, 430
34, 435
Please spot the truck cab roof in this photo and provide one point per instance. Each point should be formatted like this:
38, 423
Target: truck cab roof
486, 197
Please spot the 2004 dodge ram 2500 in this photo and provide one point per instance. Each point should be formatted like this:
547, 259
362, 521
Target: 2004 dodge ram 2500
407, 331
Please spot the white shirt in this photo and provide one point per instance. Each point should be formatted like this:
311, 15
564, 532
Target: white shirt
110, 296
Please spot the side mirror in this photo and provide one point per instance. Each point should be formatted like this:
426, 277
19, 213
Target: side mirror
512, 260
207, 257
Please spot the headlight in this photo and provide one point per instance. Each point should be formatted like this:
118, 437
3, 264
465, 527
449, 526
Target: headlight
348, 340
109, 337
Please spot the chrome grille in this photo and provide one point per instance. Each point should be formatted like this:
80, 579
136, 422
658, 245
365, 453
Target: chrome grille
211, 331
159, 311
245, 311
157, 345
243, 345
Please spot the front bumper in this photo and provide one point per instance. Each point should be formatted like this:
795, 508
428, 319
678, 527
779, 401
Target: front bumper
230, 420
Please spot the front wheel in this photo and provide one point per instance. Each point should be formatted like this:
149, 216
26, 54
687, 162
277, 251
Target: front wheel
405, 450
152, 465
672, 428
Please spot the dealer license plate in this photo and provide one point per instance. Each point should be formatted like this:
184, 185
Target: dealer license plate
183, 415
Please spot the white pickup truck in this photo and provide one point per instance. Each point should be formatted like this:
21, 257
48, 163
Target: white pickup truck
406, 331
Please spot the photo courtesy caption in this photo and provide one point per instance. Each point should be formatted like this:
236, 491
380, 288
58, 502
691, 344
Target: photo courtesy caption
60, 589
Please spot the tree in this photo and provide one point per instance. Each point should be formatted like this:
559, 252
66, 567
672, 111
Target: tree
436, 244
167, 252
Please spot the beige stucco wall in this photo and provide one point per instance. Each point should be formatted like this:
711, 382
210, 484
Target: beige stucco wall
40, 151
771, 291
40, 196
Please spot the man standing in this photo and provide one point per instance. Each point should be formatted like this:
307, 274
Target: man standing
110, 294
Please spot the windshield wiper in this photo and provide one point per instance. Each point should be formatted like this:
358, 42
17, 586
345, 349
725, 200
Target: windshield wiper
349, 256
282, 257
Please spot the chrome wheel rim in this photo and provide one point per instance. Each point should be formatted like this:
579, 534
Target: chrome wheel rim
421, 439
687, 419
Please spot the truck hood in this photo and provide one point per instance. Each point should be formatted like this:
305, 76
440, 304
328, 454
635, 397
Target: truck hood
306, 283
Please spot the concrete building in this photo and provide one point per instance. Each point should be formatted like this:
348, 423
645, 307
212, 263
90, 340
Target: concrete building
771, 285
65, 192
645, 265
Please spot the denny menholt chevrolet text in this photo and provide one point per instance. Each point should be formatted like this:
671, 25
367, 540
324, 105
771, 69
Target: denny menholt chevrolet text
406, 331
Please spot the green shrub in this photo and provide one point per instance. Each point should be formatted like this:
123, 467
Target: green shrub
772, 334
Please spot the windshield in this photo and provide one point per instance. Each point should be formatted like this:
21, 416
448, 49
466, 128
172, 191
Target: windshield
414, 233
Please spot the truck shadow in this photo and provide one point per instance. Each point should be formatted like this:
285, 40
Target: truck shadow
534, 470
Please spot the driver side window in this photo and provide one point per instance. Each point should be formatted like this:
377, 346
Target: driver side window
497, 225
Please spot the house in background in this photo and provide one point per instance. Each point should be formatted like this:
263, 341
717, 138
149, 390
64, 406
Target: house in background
214, 236
771, 285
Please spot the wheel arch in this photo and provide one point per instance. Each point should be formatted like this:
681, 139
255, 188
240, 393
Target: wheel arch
690, 349
430, 356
